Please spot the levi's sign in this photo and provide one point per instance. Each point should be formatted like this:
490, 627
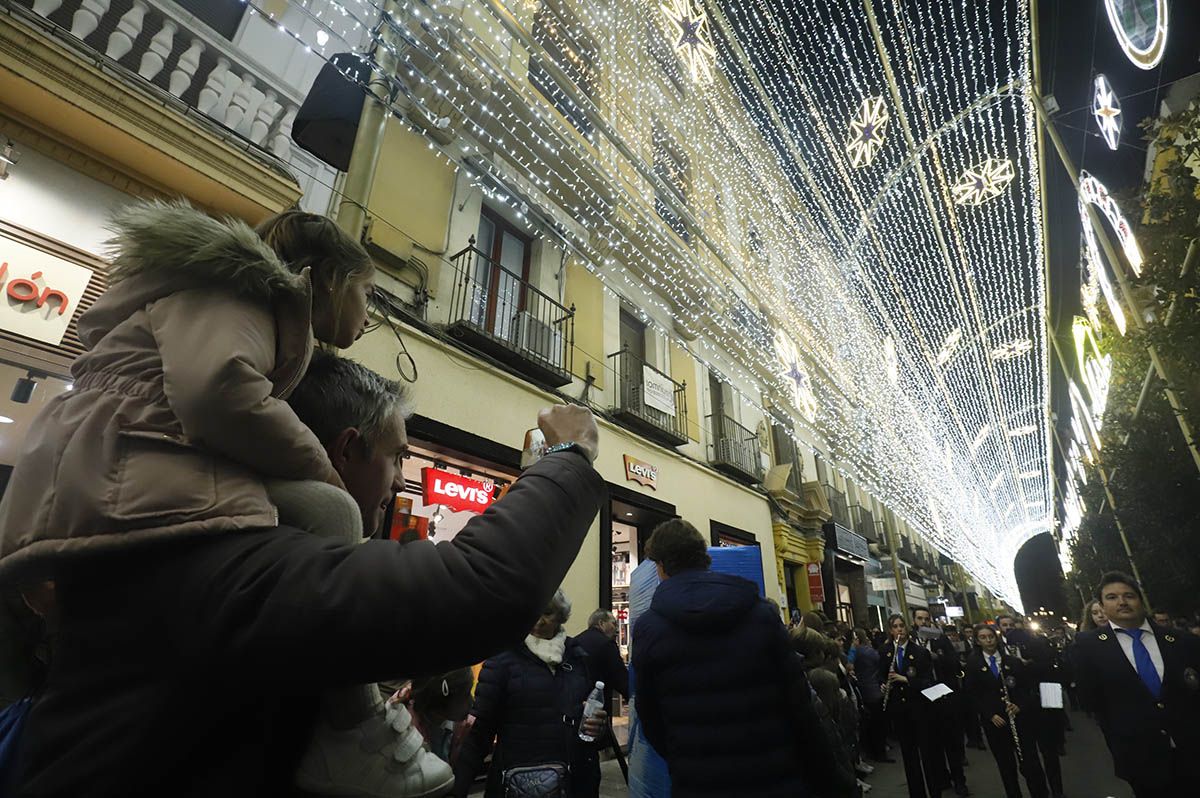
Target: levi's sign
456, 491
641, 473
40, 291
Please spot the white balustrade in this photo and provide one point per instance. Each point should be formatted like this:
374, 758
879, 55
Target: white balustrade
242, 98
128, 28
268, 112
185, 69
46, 7
281, 144
214, 87
156, 55
88, 17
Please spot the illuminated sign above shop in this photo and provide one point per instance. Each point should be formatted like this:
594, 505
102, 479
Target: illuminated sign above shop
456, 491
41, 291
642, 473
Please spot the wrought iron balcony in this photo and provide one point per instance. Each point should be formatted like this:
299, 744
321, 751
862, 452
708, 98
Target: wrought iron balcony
864, 522
496, 312
648, 401
837, 505
734, 450
162, 44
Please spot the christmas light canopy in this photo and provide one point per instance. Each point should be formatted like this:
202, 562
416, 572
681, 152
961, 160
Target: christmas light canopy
1141, 29
1106, 108
870, 299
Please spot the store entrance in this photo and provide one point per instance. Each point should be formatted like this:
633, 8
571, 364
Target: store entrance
23, 394
626, 522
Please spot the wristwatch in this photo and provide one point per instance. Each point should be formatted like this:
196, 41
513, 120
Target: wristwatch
567, 446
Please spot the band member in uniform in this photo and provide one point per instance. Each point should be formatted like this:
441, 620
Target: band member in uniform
945, 728
1049, 722
974, 728
1143, 684
1012, 639
1001, 686
905, 669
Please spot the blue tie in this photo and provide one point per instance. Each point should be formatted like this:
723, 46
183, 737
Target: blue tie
995, 670
1145, 665
899, 657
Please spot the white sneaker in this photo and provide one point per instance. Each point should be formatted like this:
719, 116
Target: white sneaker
864, 787
382, 757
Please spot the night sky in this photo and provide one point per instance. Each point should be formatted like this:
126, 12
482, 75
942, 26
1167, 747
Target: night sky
1077, 43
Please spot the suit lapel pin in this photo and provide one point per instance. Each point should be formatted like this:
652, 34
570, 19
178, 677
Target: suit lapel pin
1103, 636
1169, 638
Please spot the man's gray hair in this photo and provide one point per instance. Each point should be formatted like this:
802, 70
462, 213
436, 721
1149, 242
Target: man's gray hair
600, 616
337, 394
560, 605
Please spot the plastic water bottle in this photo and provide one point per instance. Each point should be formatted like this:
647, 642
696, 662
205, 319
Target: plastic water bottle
595, 702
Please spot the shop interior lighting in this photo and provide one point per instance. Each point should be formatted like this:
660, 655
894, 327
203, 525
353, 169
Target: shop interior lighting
5, 420
866, 270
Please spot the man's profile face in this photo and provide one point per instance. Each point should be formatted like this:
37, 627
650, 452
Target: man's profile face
1006, 625
1162, 619
921, 618
373, 475
1122, 604
609, 627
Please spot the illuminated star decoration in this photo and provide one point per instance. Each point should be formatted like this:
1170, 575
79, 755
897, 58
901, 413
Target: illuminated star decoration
1012, 349
1107, 111
948, 346
984, 182
796, 376
688, 26
867, 131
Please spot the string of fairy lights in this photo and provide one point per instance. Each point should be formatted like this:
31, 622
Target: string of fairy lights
885, 235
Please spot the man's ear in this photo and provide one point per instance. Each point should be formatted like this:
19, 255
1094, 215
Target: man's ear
344, 447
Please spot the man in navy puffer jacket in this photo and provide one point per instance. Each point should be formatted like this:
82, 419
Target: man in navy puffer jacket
714, 678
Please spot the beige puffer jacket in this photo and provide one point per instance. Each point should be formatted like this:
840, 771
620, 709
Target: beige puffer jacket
177, 413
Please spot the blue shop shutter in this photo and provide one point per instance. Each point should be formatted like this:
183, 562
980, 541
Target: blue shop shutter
743, 561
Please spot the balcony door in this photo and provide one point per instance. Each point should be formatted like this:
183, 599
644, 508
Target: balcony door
633, 341
500, 276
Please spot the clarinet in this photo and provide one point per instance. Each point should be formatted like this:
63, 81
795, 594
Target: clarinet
1012, 718
887, 684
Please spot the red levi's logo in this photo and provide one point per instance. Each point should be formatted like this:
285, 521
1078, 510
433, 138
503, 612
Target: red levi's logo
455, 491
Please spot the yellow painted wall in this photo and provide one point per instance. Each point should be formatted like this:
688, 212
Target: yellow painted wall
585, 291
411, 197
683, 369
457, 389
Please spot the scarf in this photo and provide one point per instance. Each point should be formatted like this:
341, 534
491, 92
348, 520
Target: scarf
548, 651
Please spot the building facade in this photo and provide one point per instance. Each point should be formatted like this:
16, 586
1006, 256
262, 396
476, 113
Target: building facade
630, 276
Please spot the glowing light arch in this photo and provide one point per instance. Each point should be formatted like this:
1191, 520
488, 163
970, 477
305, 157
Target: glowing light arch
1125, 17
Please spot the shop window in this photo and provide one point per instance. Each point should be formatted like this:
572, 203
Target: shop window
499, 278
673, 168
565, 42
19, 408
417, 513
223, 16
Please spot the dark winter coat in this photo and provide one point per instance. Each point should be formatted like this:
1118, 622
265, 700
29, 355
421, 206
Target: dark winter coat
866, 670
714, 675
605, 662
1138, 728
904, 698
533, 713
193, 668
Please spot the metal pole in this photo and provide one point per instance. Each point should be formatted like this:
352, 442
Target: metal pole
895, 547
1118, 266
368, 142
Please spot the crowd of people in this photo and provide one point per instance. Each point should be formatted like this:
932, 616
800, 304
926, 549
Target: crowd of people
195, 602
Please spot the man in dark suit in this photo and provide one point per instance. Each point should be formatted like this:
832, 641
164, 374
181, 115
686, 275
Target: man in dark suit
946, 728
908, 671
605, 664
1143, 684
1001, 687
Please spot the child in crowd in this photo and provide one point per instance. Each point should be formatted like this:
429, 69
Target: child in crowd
177, 424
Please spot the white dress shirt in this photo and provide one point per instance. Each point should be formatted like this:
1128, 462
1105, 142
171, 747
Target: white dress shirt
1148, 640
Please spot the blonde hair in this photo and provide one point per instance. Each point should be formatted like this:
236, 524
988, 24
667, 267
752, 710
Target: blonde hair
1086, 621
311, 241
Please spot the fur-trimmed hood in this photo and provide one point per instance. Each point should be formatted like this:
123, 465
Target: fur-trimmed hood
159, 248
